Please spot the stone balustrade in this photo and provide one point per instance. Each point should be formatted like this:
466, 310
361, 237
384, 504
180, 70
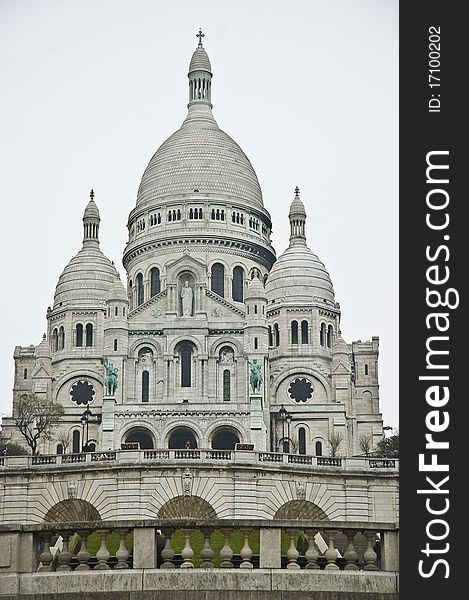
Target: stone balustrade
200, 455
188, 544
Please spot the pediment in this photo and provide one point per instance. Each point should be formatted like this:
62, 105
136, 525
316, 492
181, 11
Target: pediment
341, 369
218, 307
186, 262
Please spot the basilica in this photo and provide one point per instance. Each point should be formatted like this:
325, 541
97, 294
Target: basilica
211, 341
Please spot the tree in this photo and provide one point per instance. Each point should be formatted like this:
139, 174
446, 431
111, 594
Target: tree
11, 449
365, 442
35, 417
389, 447
335, 439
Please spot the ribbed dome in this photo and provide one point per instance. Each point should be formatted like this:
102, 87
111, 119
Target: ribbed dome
200, 61
86, 279
298, 276
255, 289
117, 291
200, 157
43, 349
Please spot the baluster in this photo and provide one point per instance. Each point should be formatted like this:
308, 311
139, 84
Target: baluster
246, 552
187, 552
292, 552
46, 557
65, 556
331, 552
226, 553
206, 553
83, 555
312, 553
167, 554
350, 554
103, 553
370, 555
122, 553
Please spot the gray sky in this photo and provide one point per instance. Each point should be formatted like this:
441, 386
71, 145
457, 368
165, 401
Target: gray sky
308, 88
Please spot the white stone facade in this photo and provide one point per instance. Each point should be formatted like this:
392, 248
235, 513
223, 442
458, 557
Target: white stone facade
199, 218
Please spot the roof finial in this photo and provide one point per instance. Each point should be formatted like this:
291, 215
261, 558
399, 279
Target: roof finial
200, 35
92, 195
297, 192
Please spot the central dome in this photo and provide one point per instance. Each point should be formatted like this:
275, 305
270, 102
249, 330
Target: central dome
200, 157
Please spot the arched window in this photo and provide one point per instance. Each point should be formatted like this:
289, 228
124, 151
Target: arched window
276, 334
182, 437
256, 343
79, 335
140, 292
226, 385
218, 279
301, 440
237, 286
25, 374
155, 286
55, 340
318, 448
145, 386
89, 335
61, 338
294, 332
225, 439
186, 365
115, 345
329, 336
322, 335
304, 332
60, 449
366, 369
76, 441
271, 341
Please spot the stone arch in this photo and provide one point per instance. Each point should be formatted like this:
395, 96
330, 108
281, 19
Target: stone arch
215, 348
302, 372
183, 436
224, 437
139, 424
227, 424
142, 435
143, 343
72, 510
184, 338
84, 374
187, 507
301, 510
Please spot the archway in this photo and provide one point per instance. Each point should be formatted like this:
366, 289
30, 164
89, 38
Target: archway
187, 507
182, 437
225, 439
301, 510
72, 510
142, 436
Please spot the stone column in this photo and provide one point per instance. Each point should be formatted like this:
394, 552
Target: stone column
270, 548
144, 548
390, 551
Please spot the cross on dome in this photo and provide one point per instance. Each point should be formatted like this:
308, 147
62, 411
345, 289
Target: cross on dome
92, 195
297, 192
200, 35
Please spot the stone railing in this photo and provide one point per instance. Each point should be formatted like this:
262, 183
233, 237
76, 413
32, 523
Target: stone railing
200, 455
188, 544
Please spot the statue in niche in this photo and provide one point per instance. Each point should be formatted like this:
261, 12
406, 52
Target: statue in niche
255, 378
186, 298
110, 379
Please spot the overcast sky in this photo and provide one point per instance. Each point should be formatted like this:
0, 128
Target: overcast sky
308, 88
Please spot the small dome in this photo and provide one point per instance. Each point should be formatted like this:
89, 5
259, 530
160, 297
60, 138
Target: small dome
200, 61
297, 208
117, 292
340, 346
43, 349
86, 279
91, 211
299, 276
255, 289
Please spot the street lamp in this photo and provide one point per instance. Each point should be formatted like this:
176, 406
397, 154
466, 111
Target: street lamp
285, 417
85, 420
